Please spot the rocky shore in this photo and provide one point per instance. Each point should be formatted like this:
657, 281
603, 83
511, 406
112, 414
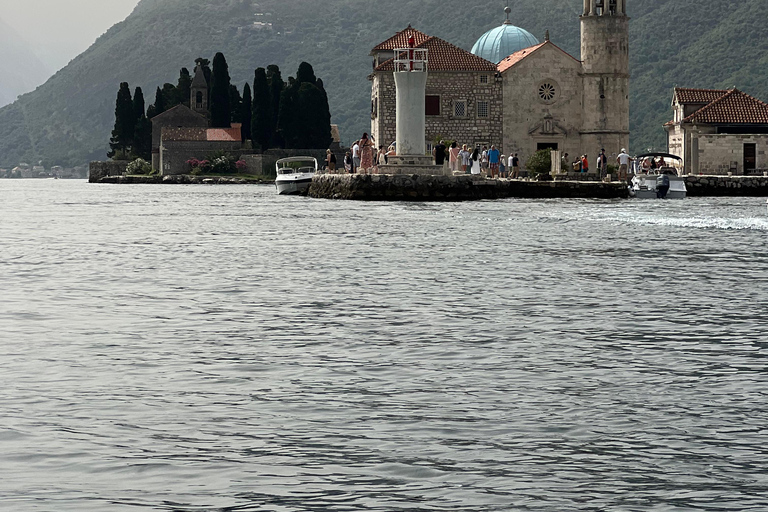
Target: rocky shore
385, 187
181, 179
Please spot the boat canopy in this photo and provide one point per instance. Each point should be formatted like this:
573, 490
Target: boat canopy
296, 164
665, 155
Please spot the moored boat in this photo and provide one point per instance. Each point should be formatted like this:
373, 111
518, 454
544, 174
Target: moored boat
294, 174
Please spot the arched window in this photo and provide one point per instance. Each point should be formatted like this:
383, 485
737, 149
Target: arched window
199, 99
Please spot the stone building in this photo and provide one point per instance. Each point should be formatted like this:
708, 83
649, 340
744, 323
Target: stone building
182, 144
463, 94
718, 131
179, 116
537, 96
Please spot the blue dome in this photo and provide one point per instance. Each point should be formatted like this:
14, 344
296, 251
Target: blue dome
501, 42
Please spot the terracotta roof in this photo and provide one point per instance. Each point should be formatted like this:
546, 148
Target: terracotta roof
701, 96
734, 107
196, 134
443, 56
232, 134
518, 56
400, 40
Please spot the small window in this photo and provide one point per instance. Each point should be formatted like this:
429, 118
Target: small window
460, 108
483, 79
199, 99
432, 106
483, 109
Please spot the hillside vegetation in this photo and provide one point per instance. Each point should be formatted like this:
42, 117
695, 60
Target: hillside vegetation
68, 120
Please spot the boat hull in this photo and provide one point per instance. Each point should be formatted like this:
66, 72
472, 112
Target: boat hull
293, 186
644, 187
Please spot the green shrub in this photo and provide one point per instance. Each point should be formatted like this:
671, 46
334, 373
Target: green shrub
139, 166
539, 163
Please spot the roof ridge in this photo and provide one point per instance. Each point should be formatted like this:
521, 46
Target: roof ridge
709, 106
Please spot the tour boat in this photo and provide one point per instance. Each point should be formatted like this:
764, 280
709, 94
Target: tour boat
294, 174
644, 186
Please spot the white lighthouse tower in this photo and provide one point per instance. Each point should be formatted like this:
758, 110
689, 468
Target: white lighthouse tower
411, 71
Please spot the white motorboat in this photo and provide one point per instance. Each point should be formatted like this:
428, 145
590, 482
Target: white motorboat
294, 174
650, 186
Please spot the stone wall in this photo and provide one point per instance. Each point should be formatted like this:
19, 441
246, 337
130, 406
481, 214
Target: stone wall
723, 153
451, 87
383, 187
755, 186
98, 170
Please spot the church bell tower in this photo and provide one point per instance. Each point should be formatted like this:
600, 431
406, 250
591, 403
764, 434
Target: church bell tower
605, 71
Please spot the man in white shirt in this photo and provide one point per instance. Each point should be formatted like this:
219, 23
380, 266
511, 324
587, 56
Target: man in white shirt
623, 159
356, 156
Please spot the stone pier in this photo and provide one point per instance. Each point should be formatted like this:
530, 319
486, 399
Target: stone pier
403, 187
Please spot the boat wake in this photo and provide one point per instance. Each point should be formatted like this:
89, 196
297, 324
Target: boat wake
744, 223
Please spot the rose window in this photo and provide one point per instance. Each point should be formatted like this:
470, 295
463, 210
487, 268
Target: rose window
547, 92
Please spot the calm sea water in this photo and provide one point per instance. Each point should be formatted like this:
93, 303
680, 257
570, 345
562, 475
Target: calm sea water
193, 348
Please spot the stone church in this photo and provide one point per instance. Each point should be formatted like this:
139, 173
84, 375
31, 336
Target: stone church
516, 92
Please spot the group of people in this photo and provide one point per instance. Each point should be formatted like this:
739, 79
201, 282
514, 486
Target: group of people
478, 160
363, 157
581, 163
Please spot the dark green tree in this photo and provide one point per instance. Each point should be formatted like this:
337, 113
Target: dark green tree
312, 120
306, 74
142, 138
246, 112
220, 103
171, 96
261, 122
235, 104
287, 118
159, 102
125, 122
183, 86
138, 103
276, 86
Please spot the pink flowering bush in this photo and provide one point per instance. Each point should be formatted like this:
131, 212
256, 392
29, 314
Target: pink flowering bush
241, 165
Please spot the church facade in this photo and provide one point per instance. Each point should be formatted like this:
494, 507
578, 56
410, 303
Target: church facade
518, 93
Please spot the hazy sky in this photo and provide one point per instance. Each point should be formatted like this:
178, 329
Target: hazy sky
59, 30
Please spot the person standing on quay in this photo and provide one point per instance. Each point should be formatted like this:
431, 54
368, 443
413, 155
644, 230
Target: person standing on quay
493, 161
475, 160
330, 160
453, 157
439, 153
366, 154
484, 159
355, 156
516, 166
623, 160
349, 163
466, 159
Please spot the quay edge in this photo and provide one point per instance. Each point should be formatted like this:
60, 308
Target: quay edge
403, 187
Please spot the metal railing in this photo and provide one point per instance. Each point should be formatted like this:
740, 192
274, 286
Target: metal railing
411, 59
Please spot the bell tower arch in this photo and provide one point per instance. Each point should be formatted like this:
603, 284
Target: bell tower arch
605, 72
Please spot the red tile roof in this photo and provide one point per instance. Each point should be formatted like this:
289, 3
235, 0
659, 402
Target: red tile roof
518, 56
699, 96
194, 134
232, 134
400, 40
443, 56
734, 107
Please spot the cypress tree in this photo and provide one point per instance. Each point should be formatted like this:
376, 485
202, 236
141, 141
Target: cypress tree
261, 121
287, 123
138, 103
246, 112
276, 86
220, 104
306, 74
312, 123
170, 96
125, 122
142, 138
183, 86
159, 102
235, 104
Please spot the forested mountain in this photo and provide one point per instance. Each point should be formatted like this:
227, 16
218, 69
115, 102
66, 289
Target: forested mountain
22, 70
697, 43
